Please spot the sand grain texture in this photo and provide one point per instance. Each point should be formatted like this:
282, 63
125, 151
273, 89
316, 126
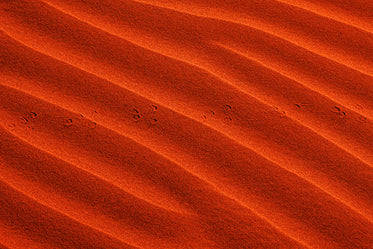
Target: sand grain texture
186, 124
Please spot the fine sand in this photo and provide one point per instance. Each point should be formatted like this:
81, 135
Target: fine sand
186, 124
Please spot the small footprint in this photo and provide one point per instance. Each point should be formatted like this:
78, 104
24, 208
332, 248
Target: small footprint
68, 123
282, 113
136, 117
212, 112
33, 114
227, 118
228, 107
155, 107
362, 119
301, 105
25, 120
92, 125
338, 111
153, 121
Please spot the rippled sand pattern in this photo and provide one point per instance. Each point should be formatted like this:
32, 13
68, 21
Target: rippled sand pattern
186, 124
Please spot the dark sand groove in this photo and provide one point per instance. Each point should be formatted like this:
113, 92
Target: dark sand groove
186, 124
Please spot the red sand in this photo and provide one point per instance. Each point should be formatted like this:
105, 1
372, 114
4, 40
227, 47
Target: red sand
186, 124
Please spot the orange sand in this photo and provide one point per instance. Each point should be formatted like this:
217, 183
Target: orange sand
186, 124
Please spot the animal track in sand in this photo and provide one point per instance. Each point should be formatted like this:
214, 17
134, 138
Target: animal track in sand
68, 123
282, 113
12, 126
136, 117
25, 120
338, 111
226, 118
93, 125
28, 117
359, 107
301, 105
153, 121
192, 146
362, 119
33, 114
227, 107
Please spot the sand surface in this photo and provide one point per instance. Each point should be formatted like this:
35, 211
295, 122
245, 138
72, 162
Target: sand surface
186, 124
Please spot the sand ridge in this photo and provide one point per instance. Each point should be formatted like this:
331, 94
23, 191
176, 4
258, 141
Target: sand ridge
186, 124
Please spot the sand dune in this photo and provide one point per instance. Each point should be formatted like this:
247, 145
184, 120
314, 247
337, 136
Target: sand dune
186, 124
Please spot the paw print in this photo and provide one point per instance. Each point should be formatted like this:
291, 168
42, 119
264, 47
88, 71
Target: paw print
33, 115
153, 121
136, 117
339, 112
228, 119
362, 119
68, 123
282, 113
